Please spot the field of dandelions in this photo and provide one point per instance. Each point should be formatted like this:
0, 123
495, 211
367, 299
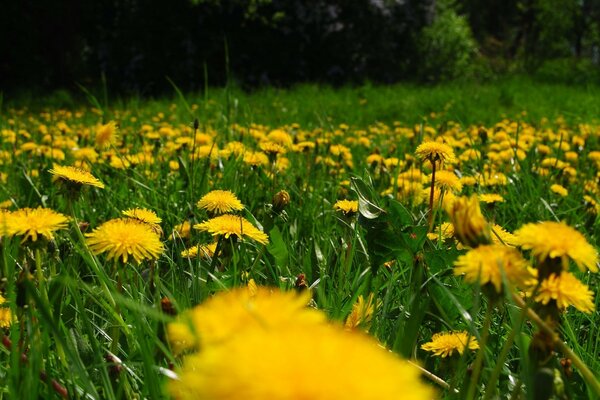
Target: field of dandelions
177, 250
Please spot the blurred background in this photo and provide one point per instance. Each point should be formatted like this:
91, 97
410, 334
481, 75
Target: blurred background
132, 46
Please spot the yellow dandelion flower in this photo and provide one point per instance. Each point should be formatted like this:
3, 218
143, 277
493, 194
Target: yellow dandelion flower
488, 263
232, 225
124, 238
558, 240
34, 222
362, 312
566, 290
490, 198
348, 207
559, 190
272, 148
435, 151
256, 159
181, 231
280, 137
446, 230
75, 176
444, 344
502, 236
143, 215
232, 313
470, 226
106, 134
6, 204
201, 250
6, 317
447, 180
295, 362
220, 202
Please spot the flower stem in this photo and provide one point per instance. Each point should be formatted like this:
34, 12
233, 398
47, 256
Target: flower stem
481, 353
587, 374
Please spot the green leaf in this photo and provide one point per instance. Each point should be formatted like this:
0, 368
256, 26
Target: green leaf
277, 248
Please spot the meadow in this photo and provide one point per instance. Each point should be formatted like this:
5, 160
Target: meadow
360, 242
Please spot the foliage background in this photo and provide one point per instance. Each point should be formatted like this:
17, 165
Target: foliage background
133, 45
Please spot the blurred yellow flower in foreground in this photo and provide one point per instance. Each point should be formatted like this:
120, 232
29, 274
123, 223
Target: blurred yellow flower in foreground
470, 227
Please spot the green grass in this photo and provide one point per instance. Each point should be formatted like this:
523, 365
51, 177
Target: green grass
68, 320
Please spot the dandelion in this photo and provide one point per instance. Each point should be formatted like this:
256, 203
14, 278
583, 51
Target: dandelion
6, 317
348, 207
182, 230
220, 202
448, 181
232, 225
76, 177
557, 240
444, 344
143, 215
566, 290
488, 263
106, 134
470, 226
124, 238
362, 312
491, 198
232, 313
201, 250
31, 223
435, 151
559, 190
298, 362
502, 236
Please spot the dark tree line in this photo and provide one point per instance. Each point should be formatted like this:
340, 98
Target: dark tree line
135, 44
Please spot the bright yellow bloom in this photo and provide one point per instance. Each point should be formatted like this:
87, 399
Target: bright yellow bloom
566, 290
435, 151
362, 312
447, 181
320, 362
143, 215
502, 236
348, 207
33, 222
106, 134
181, 231
124, 238
444, 344
220, 202
446, 230
201, 250
487, 264
490, 198
232, 225
470, 226
6, 317
558, 240
559, 190
230, 314
76, 176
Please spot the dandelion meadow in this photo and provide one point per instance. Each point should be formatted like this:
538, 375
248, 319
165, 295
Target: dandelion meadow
302, 244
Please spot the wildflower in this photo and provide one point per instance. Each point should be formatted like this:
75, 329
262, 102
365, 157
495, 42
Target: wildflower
75, 176
558, 240
348, 207
488, 263
446, 230
232, 313
448, 181
201, 250
435, 151
559, 190
220, 202
502, 236
122, 238
182, 230
362, 312
6, 317
491, 198
280, 200
298, 362
444, 344
232, 225
566, 290
106, 134
470, 226
143, 215
34, 222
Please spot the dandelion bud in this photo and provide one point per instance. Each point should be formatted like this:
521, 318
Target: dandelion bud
470, 227
280, 200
